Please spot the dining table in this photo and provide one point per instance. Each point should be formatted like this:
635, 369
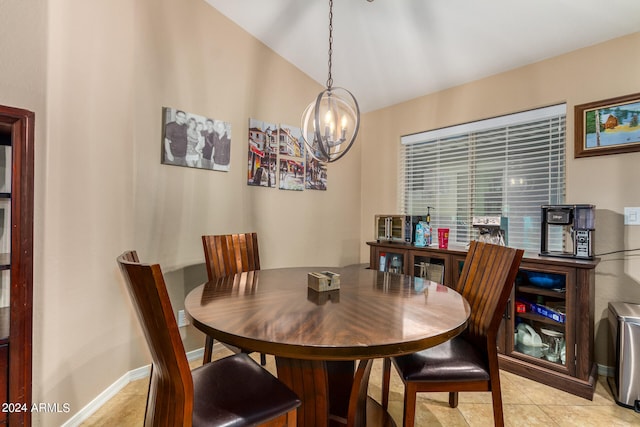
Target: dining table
324, 342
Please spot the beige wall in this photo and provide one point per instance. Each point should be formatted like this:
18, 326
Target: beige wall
603, 71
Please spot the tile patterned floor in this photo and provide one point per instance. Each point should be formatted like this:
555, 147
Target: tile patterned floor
526, 403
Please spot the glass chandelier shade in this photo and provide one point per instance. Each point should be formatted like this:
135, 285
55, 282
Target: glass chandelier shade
330, 124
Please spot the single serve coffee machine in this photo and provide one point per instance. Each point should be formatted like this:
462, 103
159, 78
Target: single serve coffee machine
568, 231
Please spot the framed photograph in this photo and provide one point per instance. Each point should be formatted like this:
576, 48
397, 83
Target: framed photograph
195, 141
608, 127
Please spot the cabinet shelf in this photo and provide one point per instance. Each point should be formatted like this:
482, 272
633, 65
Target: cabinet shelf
535, 290
538, 318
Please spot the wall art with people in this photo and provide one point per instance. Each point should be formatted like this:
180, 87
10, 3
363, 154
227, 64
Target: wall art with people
195, 141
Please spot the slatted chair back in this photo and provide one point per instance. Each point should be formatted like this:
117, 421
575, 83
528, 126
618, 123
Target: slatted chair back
170, 398
230, 254
486, 280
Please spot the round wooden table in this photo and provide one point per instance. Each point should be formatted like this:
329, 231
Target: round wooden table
316, 337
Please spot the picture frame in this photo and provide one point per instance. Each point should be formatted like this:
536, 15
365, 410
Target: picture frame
194, 141
610, 126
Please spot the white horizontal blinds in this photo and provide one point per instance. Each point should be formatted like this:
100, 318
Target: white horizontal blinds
506, 166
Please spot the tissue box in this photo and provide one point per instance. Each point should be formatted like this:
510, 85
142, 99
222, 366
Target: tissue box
323, 281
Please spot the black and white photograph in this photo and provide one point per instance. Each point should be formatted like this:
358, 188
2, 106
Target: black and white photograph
195, 141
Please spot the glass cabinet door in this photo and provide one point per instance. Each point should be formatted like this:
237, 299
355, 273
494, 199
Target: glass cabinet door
392, 262
427, 266
541, 304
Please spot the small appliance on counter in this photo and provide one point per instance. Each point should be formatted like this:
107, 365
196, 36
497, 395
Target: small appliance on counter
568, 231
491, 229
391, 228
397, 228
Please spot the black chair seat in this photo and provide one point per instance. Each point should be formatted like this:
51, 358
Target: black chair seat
223, 388
454, 360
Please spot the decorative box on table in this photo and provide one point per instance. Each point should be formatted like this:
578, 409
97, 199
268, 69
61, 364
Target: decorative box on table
323, 281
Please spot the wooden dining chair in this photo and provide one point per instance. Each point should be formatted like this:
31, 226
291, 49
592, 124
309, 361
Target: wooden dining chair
231, 391
225, 255
468, 362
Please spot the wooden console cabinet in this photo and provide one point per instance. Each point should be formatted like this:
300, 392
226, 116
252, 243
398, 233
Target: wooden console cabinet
562, 289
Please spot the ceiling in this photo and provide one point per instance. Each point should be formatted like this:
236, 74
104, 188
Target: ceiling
389, 51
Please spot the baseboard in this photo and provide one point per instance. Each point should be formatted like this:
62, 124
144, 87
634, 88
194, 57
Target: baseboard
606, 371
135, 374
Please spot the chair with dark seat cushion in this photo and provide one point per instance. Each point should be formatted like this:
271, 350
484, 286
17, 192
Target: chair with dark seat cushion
468, 362
225, 255
233, 391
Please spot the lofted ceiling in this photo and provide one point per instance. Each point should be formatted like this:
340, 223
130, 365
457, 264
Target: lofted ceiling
389, 51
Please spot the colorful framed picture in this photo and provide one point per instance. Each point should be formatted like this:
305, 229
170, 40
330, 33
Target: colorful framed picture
315, 174
610, 126
263, 150
290, 141
291, 174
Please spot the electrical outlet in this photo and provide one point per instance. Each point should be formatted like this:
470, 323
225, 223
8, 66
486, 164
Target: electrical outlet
182, 319
631, 216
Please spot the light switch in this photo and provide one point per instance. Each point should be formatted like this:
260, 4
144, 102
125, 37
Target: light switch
632, 216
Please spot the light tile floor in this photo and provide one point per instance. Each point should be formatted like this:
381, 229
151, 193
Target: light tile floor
526, 403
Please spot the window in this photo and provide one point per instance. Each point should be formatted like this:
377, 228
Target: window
505, 166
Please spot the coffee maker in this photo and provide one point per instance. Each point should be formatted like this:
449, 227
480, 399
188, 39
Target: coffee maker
491, 229
568, 231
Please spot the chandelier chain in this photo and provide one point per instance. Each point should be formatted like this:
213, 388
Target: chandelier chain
330, 78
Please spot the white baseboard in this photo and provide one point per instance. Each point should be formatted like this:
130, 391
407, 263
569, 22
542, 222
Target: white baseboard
133, 375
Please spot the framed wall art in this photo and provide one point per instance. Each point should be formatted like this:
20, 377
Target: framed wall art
610, 126
263, 150
290, 141
291, 174
195, 141
316, 174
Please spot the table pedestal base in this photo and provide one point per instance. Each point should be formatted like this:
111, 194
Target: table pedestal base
331, 394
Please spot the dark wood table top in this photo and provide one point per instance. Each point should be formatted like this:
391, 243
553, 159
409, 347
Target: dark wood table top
373, 314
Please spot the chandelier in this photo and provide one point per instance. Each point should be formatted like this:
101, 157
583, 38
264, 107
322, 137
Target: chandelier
330, 123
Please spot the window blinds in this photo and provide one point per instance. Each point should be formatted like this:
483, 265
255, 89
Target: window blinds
504, 166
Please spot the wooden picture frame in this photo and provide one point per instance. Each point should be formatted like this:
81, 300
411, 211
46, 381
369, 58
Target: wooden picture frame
610, 126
